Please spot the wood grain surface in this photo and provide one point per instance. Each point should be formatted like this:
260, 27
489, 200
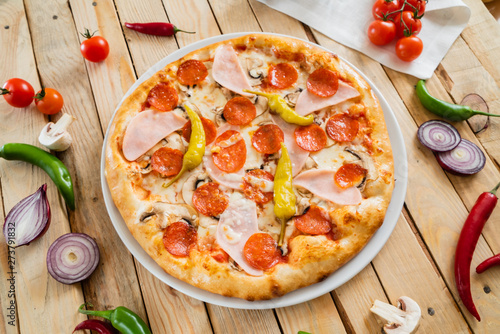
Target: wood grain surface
40, 43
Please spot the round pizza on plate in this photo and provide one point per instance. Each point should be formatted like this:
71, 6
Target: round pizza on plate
251, 167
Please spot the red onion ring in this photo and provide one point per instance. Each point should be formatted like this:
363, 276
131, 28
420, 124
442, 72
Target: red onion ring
466, 159
72, 258
438, 136
28, 220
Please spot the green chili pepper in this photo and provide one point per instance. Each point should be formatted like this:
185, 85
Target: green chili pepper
284, 197
123, 319
46, 161
450, 111
278, 105
196, 148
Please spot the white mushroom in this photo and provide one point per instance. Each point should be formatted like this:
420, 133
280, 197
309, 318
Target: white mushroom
402, 319
291, 98
54, 136
261, 105
166, 214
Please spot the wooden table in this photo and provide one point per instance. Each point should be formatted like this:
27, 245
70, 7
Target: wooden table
40, 43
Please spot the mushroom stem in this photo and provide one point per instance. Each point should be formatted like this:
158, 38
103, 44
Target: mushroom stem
388, 312
61, 125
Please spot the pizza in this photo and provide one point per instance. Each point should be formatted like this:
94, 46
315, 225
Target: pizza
251, 167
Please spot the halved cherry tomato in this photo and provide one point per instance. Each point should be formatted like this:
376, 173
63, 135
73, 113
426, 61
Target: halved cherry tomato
381, 8
409, 48
415, 5
381, 32
49, 101
407, 23
18, 92
94, 48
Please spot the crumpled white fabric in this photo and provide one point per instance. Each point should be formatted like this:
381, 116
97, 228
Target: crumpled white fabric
347, 21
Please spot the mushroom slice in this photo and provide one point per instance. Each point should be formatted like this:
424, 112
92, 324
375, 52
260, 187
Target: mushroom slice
254, 70
190, 185
303, 200
402, 319
187, 91
291, 98
54, 135
261, 105
166, 214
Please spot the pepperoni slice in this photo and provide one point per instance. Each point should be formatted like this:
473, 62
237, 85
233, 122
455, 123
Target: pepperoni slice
167, 161
311, 138
208, 126
163, 97
239, 111
191, 72
315, 221
253, 189
261, 251
268, 138
323, 82
209, 200
179, 238
342, 128
349, 175
232, 152
282, 75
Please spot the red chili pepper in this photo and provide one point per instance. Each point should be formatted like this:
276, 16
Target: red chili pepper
467, 242
488, 263
99, 326
156, 28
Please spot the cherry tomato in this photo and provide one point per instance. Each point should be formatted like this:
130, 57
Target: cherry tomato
381, 32
49, 101
407, 24
413, 5
94, 48
18, 92
383, 7
409, 48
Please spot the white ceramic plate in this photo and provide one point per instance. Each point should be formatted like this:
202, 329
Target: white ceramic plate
338, 278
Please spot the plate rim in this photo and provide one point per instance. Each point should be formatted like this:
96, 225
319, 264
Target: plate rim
337, 278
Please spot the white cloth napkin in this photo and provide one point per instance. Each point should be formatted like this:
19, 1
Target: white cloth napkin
347, 21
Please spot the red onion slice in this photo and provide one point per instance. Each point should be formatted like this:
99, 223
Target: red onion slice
72, 258
466, 159
438, 136
28, 220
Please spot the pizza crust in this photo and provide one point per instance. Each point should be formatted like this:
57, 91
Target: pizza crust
310, 258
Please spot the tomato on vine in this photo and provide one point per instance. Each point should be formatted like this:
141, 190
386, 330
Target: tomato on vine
381, 32
94, 48
382, 8
407, 22
414, 5
409, 48
49, 101
18, 92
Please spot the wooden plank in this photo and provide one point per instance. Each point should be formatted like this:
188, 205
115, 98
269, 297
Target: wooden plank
111, 78
354, 299
9, 322
400, 280
145, 50
230, 320
482, 34
18, 180
315, 316
192, 15
168, 310
171, 311
60, 62
464, 77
